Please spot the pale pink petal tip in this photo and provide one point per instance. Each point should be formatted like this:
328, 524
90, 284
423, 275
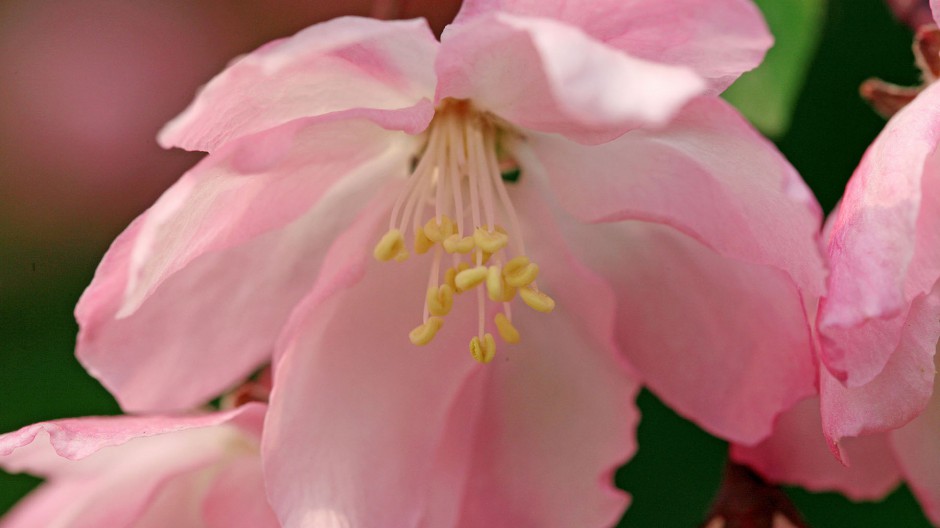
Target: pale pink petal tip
544, 75
718, 39
338, 66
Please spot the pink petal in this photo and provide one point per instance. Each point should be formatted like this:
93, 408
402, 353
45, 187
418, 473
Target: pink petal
44, 506
357, 412
916, 447
404, 436
78, 438
348, 64
707, 174
125, 467
557, 414
213, 240
543, 75
711, 284
796, 454
719, 39
237, 497
885, 243
935, 8
902, 389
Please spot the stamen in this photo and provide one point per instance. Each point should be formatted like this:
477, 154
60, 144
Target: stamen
490, 241
494, 283
537, 300
483, 350
413, 200
423, 244
469, 278
518, 244
506, 330
457, 244
391, 246
480, 164
462, 150
424, 333
520, 272
440, 300
457, 183
438, 231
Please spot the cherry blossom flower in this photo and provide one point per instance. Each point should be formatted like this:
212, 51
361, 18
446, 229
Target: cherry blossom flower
197, 471
463, 254
878, 407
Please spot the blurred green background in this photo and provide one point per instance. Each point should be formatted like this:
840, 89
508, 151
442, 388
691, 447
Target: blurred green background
54, 227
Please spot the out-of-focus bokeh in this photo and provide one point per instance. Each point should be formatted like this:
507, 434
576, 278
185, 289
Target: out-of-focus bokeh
85, 86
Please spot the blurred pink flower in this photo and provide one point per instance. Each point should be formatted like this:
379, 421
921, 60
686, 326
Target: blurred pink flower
198, 471
914, 13
669, 232
879, 326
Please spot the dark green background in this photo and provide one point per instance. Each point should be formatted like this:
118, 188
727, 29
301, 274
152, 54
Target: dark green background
678, 467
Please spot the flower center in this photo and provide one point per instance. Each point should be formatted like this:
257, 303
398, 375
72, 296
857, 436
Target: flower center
456, 205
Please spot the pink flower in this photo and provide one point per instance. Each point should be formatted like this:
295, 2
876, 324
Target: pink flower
649, 219
879, 326
914, 13
184, 471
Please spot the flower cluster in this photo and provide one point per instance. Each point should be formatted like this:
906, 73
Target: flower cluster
374, 202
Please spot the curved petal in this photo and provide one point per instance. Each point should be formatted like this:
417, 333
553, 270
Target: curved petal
707, 174
719, 39
350, 64
543, 75
797, 454
44, 505
125, 467
884, 248
916, 446
935, 8
237, 498
557, 412
357, 411
715, 322
196, 244
75, 439
902, 389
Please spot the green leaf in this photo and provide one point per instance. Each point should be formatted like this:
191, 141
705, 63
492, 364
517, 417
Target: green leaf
767, 94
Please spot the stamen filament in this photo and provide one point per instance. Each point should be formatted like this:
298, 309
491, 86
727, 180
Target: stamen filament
415, 177
462, 150
516, 236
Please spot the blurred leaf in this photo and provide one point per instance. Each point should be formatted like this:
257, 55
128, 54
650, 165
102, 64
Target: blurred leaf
767, 94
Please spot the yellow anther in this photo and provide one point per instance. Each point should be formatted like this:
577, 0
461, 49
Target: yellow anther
509, 293
440, 299
455, 244
494, 283
424, 333
506, 330
483, 351
450, 279
391, 246
402, 256
423, 244
490, 241
537, 300
469, 278
486, 257
438, 232
520, 272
